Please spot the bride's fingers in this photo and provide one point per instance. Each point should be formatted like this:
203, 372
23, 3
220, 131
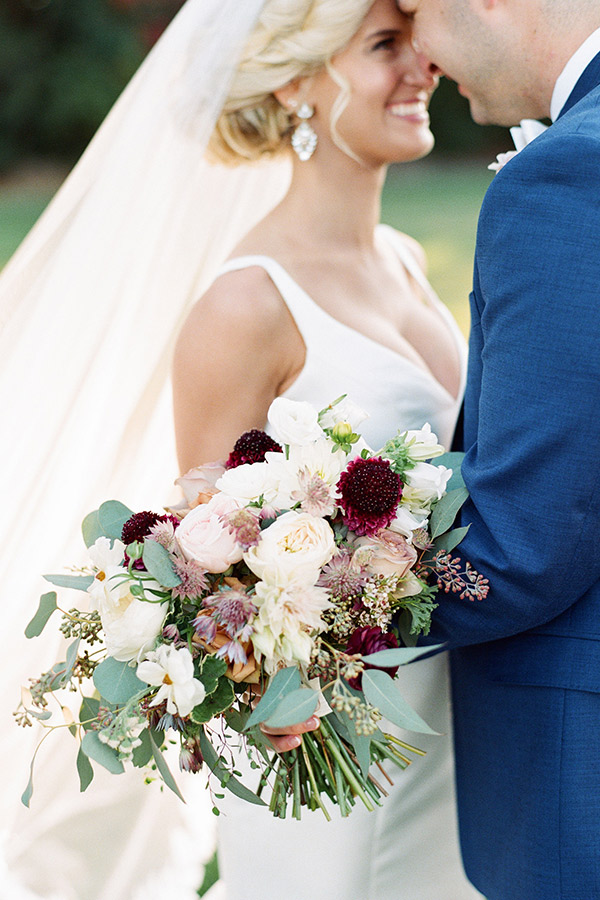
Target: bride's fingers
284, 739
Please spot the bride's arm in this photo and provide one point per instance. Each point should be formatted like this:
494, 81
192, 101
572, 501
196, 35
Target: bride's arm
235, 351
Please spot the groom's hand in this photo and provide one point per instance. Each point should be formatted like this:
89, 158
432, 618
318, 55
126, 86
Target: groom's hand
283, 739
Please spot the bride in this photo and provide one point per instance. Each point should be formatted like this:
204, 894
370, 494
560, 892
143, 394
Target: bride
315, 301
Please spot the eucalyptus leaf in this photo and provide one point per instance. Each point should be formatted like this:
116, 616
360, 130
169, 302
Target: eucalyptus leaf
161, 765
449, 541
41, 714
216, 702
88, 712
28, 792
284, 682
452, 460
142, 754
297, 706
112, 515
84, 770
398, 657
46, 607
218, 768
91, 528
445, 511
237, 719
380, 690
343, 724
76, 582
159, 565
101, 753
72, 651
117, 681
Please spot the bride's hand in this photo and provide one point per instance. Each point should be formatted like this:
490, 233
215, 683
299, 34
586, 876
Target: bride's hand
283, 739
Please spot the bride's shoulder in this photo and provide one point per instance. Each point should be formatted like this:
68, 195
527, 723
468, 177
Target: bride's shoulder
404, 244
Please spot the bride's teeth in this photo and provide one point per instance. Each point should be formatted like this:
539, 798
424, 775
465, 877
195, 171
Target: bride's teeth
408, 109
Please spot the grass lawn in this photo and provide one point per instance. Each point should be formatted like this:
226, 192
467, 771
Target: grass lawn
437, 203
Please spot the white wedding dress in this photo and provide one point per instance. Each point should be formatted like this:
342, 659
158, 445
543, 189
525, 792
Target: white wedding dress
408, 848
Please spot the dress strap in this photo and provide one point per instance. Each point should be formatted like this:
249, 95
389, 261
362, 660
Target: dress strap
303, 309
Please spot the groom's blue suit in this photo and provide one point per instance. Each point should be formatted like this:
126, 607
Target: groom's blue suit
526, 671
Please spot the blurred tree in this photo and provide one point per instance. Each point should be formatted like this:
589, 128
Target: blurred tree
64, 62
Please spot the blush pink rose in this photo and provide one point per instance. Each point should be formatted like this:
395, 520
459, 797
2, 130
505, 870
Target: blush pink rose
386, 553
204, 535
199, 483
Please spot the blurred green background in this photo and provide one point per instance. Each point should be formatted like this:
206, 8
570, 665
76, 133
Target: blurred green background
64, 62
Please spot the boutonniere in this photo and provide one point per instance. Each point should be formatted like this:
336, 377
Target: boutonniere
522, 134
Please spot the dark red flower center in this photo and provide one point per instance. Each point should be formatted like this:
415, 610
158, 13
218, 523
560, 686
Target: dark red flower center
251, 447
370, 493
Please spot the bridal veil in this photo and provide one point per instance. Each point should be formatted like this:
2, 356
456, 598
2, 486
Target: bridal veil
89, 308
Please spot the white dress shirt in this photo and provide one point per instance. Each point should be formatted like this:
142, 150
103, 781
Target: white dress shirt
572, 72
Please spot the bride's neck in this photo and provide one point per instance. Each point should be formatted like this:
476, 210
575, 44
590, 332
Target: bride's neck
335, 205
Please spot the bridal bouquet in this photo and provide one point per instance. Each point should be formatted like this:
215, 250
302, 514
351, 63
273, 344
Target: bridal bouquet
280, 589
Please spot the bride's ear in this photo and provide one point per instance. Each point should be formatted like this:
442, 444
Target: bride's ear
293, 94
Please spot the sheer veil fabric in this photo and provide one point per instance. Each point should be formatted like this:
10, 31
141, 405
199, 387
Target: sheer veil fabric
89, 309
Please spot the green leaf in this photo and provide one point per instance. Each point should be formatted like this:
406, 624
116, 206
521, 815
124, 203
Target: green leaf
237, 719
117, 681
211, 669
452, 460
91, 528
72, 650
297, 706
448, 541
28, 792
380, 690
159, 565
85, 771
76, 582
398, 657
142, 754
285, 681
112, 515
218, 768
216, 702
361, 744
445, 511
45, 609
94, 749
88, 712
161, 765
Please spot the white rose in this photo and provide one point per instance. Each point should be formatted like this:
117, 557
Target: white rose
292, 549
132, 625
425, 484
294, 422
344, 411
405, 522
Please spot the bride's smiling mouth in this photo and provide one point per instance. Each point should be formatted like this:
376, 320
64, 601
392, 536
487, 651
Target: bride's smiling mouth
410, 109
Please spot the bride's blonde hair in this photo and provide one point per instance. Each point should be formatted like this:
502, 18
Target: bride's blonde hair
292, 39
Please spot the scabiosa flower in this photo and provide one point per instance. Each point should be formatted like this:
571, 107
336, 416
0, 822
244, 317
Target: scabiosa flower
193, 578
139, 526
370, 492
343, 578
251, 447
371, 640
245, 526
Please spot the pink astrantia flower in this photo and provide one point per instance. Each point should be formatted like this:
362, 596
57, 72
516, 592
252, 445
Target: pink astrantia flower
370, 492
245, 526
315, 496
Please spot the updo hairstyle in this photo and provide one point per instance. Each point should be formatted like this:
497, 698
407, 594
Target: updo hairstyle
292, 39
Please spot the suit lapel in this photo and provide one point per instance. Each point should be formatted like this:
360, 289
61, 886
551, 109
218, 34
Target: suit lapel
588, 80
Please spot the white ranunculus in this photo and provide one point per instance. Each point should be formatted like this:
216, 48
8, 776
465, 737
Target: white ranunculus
172, 671
405, 522
294, 421
425, 484
131, 625
249, 482
344, 411
292, 549
422, 444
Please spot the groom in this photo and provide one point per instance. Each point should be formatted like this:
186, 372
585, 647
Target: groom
526, 668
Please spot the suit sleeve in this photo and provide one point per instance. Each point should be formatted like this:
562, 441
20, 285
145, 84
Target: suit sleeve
532, 409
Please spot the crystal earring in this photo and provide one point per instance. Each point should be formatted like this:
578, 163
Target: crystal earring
304, 138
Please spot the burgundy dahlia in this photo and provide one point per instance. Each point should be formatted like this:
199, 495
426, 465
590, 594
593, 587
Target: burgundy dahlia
251, 448
371, 639
370, 492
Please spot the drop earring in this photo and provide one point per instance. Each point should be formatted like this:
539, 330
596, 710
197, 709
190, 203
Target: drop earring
304, 138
